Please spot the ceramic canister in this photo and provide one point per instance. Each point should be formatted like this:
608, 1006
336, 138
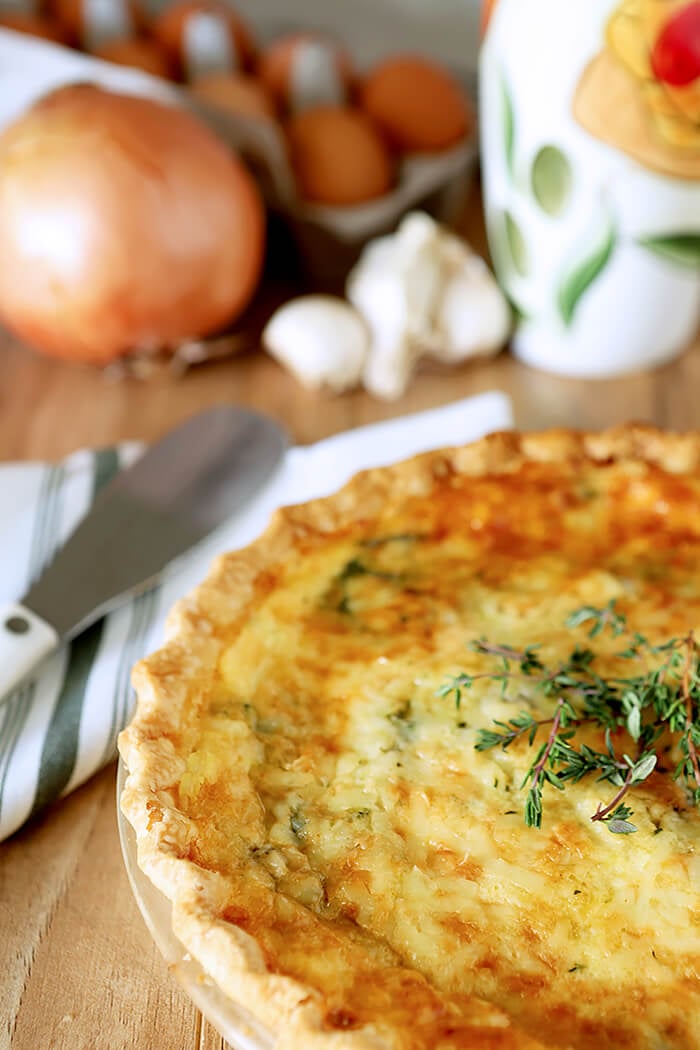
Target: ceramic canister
590, 124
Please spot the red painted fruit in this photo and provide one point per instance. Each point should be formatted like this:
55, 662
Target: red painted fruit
675, 58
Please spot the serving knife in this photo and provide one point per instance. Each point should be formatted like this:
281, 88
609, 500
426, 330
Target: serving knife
153, 512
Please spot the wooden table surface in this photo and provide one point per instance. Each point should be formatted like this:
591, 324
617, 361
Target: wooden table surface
79, 967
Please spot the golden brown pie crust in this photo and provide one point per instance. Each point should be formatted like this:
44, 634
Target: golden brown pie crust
176, 677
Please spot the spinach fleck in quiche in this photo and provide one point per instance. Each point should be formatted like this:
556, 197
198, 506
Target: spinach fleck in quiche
340, 758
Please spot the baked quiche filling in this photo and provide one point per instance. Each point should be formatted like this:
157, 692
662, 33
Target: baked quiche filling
373, 850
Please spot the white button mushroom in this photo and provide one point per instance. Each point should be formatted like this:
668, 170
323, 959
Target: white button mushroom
321, 339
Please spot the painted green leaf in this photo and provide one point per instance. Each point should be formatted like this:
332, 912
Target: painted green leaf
683, 249
496, 238
505, 241
520, 314
508, 125
517, 247
497, 245
551, 179
577, 282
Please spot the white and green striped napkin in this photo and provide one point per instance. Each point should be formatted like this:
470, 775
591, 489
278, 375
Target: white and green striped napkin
60, 728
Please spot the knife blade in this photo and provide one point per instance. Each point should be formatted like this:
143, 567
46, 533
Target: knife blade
153, 512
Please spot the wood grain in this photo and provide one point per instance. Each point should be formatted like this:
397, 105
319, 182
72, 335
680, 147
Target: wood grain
47, 409
79, 967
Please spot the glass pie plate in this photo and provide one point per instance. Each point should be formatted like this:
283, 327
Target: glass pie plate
237, 1026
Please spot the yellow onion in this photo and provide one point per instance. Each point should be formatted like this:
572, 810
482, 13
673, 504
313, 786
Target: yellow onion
125, 225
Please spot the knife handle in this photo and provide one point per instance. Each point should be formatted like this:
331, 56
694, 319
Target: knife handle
25, 639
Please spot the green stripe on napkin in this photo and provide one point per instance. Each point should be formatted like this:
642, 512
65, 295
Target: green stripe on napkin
133, 650
61, 742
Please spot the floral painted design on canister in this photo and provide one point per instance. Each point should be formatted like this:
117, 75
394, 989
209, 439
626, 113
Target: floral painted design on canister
650, 67
590, 123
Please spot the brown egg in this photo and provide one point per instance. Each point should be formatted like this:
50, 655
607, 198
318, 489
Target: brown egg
418, 105
92, 24
235, 93
304, 70
35, 25
204, 36
338, 156
137, 53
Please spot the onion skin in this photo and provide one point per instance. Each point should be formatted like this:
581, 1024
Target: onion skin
125, 224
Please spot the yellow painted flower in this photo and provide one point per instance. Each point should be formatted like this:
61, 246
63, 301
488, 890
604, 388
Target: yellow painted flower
658, 41
642, 92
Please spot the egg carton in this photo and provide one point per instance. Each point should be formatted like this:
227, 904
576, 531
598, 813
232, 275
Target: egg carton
446, 30
326, 240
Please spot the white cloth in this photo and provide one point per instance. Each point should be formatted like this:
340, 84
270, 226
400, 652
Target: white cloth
59, 729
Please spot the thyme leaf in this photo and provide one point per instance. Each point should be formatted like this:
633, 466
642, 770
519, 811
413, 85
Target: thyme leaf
659, 698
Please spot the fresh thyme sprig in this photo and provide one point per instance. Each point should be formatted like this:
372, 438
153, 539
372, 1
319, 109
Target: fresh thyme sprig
662, 698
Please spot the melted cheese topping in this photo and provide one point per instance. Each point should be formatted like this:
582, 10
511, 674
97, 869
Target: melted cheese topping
375, 854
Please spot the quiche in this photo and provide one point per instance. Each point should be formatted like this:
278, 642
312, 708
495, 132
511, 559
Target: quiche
418, 769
